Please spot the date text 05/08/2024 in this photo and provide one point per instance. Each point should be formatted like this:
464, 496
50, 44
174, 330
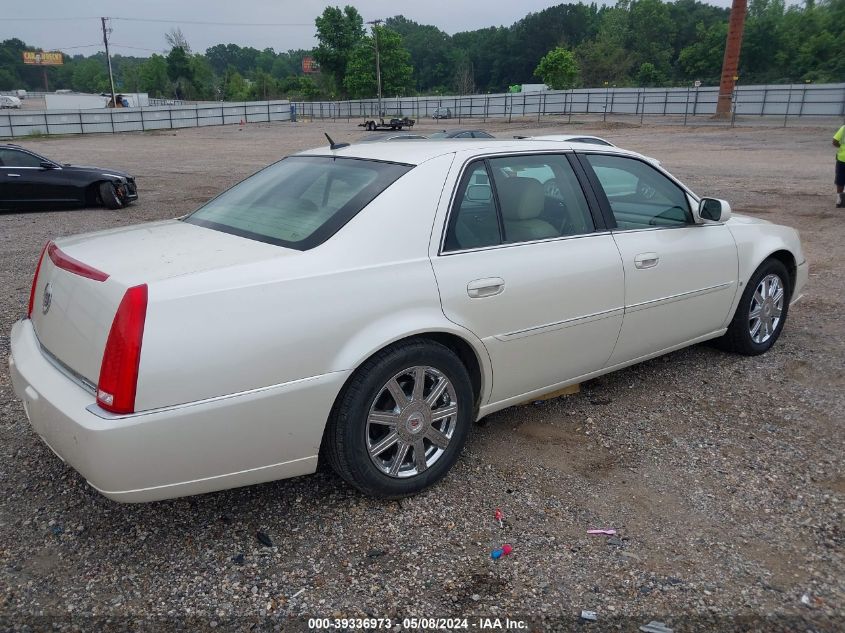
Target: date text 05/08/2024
478, 623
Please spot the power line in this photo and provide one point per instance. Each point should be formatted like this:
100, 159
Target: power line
165, 21
137, 48
41, 19
65, 48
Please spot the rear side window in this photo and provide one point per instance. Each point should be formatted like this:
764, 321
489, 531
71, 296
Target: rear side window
474, 222
531, 198
299, 202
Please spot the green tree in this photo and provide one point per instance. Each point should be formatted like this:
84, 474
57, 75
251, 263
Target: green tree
339, 33
202, 78
235, 87
432, 52
702, 59
180, 72
558, 69
154, 78
396, 70
649, 35
90, 75
606, 58
649, 75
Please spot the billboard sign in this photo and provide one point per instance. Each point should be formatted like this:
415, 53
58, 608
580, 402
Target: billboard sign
43, 58
310, 65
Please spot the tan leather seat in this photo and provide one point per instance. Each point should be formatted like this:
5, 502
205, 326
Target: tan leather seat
522, 201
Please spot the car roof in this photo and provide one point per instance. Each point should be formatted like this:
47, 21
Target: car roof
411, 152
388, 136
565, 137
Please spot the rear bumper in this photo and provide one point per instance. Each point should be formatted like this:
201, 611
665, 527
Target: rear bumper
252, 437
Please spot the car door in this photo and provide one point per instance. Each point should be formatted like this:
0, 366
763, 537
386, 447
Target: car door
526, 266
680, 277
12, 178
31, 184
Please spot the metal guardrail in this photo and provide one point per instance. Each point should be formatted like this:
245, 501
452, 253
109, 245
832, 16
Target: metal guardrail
787, 101
15, 124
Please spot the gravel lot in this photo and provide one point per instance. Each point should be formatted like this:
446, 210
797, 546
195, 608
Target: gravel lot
723, 474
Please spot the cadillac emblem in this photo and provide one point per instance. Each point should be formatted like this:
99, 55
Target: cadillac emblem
47, 300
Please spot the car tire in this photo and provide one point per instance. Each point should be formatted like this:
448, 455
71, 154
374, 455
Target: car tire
109, 196
756, 324
371, 440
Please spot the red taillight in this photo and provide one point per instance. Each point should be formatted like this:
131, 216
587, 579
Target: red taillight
35, 280
68, 263
119, 370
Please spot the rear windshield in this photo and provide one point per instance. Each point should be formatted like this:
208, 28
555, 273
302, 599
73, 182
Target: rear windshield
299, 202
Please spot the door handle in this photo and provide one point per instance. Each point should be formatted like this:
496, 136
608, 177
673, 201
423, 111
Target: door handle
489, 287
13, 175
646, 260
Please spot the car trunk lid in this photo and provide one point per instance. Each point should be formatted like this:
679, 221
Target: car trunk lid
82, 280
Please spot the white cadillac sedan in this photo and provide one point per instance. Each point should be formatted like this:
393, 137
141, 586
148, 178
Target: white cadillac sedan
366, 304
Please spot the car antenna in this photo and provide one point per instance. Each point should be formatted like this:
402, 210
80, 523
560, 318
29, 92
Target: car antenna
332, 144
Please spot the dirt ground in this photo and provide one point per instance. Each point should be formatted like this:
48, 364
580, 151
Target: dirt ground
722, 474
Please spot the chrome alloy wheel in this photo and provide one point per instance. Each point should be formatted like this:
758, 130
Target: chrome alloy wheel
411, 421
766, 308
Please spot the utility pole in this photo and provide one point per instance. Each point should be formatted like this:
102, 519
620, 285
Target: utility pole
730, 64
108, 58
375, 24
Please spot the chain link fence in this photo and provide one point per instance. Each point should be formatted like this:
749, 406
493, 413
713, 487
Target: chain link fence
775, 103
14, 124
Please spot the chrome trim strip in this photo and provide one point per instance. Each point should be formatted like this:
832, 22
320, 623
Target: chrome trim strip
678, 297
550, 327
512, 244
107, 415
74, 376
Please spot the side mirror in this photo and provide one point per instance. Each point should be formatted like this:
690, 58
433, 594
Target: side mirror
45, 164
713, 210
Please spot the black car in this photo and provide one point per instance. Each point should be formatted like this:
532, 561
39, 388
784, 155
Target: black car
461, 134
28, 180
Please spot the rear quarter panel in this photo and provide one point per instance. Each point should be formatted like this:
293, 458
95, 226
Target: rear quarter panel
321, 311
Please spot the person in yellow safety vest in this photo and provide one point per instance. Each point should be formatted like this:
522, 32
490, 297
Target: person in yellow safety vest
839, 143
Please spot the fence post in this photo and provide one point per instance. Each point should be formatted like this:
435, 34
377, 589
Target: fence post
788, 103
82, 126
803, 98
642, 110
686, 107
763, 104
665, 100
695, 103
612, 99
111, 119
733, 106
170, 116
588, 101
510, 110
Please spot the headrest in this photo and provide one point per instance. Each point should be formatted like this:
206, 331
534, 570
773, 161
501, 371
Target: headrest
521, 198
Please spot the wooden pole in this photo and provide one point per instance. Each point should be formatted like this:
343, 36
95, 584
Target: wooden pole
730, 64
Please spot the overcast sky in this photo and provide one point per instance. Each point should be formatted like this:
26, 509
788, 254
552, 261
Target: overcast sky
271, 17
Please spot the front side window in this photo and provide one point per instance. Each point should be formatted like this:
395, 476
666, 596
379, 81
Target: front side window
532, 197
16, 158
639, 195
299, 202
